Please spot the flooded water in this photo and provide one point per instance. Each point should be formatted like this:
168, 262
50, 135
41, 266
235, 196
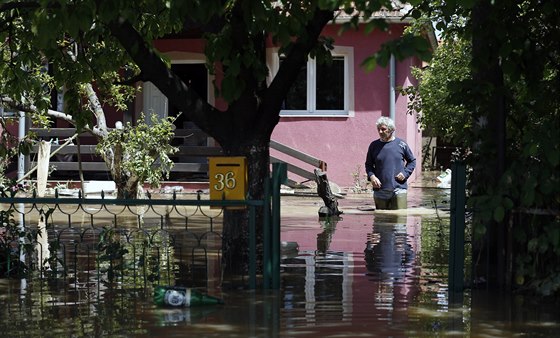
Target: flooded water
366, 274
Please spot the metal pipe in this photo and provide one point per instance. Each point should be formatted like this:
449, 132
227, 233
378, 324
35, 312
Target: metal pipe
21, 136
392, 89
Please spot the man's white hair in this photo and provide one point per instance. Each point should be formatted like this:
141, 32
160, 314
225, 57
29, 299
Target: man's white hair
385, 121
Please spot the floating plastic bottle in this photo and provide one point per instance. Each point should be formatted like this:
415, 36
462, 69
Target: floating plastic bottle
177, 296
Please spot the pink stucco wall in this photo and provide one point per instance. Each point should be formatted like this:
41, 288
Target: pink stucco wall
342, 141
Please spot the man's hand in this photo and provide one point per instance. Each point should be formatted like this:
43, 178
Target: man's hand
375, 182
400, 177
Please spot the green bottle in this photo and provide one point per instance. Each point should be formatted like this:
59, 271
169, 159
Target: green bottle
178, 296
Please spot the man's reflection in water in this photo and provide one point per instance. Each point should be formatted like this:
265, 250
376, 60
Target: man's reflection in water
388, 254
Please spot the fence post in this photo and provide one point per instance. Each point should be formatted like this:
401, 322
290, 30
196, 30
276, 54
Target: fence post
279, 176
252, 249
457, 233
267, 268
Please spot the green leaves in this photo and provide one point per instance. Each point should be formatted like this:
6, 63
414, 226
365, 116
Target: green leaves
143, 149
408, 46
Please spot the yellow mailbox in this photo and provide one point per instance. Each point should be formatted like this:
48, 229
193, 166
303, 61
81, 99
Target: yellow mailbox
228, 178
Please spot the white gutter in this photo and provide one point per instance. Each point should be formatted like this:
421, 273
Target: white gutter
392, 89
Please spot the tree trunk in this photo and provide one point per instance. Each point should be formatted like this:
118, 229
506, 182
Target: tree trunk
235, 240
127, 186
490, 115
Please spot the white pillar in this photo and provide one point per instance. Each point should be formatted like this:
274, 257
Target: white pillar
392, 88
43, 167
21, 136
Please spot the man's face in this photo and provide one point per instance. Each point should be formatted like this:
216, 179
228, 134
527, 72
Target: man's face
384, 132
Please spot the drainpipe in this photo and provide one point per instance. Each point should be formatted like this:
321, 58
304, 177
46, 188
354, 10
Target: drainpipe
21, 136
392, 88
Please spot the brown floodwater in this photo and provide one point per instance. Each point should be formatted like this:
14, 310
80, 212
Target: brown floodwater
365, 274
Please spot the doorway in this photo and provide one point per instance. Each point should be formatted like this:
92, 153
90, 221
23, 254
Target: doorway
195, 75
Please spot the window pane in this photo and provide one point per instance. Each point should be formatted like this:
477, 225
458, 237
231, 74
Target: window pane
330, 85
297, 96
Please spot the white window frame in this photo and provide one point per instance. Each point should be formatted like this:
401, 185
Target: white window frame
311, 111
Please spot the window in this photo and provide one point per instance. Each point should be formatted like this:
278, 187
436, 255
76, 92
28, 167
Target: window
323, 89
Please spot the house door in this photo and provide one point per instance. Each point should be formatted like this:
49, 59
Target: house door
155, 103
193, 74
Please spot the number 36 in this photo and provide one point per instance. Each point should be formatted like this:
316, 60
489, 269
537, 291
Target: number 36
226, 180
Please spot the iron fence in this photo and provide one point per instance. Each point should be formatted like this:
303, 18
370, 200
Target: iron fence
134, 242
128, 242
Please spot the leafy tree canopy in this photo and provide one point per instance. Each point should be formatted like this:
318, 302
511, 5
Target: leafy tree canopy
493, 89
109, 43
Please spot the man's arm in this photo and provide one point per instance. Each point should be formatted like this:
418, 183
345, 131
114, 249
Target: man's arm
410, 162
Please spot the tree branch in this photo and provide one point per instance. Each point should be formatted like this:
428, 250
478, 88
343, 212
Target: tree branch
295, 60
101, 128
29, 108
156, 71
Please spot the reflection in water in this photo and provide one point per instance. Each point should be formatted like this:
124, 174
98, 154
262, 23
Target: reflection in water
324, 238
394, 285
374, 275
389, 262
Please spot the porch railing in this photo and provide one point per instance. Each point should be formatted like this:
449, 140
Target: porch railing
190, 159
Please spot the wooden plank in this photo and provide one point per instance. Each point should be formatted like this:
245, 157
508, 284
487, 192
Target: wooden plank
186, 133
298, 154
183, 150
199, 151
71, 149
100, 166
294, 169
73, 166
56, 132
190, 167
67, 132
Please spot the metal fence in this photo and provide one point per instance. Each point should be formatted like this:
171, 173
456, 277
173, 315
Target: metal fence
133, 242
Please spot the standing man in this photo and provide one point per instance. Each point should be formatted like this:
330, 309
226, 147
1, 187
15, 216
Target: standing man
389, 163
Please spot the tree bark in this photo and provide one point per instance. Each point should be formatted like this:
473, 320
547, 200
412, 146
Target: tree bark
235, 239
244, 129
490, 115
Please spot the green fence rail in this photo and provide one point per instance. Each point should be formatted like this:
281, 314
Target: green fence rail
149, 240
457, 233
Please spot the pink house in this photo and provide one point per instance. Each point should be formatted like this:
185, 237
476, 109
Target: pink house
331, 112
341, 137
330, 115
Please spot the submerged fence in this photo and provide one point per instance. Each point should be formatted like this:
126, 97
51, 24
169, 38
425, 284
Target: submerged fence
129, 242
133, 242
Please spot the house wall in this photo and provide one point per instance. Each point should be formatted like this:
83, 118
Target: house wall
342, 142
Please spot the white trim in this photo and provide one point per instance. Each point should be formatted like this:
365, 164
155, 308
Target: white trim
348, 111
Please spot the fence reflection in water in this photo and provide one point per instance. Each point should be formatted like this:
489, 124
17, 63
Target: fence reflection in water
123, 243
